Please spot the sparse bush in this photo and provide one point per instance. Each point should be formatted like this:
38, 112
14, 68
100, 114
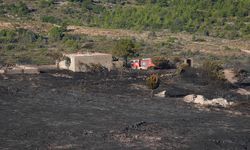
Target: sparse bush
213, 69
56, 56
51, 19
197, 39
10, 47
28, 36
71, 44
20, 9
56, 33
46, 3
151, 35
153, 82
177, 59
182, 68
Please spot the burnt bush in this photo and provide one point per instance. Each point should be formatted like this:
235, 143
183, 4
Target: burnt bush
163, 63
210, 73
241, 74
94, 68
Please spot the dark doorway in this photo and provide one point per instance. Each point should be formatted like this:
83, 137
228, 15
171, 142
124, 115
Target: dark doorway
189, 62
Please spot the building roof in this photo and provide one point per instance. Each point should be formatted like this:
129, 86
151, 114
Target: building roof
86, 54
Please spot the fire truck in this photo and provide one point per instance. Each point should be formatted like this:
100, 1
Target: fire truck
143, 64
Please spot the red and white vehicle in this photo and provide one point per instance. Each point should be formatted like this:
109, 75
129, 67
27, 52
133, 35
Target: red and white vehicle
143, 63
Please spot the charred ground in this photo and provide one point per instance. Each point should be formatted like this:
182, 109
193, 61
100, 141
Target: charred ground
63, 110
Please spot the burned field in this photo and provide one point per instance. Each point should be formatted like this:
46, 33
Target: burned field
63, 110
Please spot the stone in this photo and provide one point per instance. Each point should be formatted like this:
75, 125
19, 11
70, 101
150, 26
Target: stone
161, 94
201, 100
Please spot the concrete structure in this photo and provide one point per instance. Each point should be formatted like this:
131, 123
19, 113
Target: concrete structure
83, 62
189, 61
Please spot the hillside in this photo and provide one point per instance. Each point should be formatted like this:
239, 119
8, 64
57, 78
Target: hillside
221, 18
30, 30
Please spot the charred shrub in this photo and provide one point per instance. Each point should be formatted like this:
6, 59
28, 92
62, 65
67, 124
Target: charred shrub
163, 63
241, 74
97, 67
67, 62
210, 73
92, 67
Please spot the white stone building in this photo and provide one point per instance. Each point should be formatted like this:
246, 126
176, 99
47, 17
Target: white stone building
79, 62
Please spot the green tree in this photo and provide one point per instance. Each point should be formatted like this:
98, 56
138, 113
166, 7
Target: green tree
124, 48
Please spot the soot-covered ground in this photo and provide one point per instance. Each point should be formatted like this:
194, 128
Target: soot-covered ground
62, 110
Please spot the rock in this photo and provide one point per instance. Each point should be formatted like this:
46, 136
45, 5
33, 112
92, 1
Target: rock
201, 100
221, 102
2, 71
161, 94
189, 98
243, 92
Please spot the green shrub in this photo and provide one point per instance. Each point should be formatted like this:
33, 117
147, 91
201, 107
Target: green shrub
26, 36
20, 9
7, 36
197, 39
71, 44
46, 3
10, 47
181, 68
56, 33
51, 19
124, 48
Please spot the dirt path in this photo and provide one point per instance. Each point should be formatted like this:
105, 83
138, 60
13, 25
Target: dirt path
246, 51
37, 27
114, 33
